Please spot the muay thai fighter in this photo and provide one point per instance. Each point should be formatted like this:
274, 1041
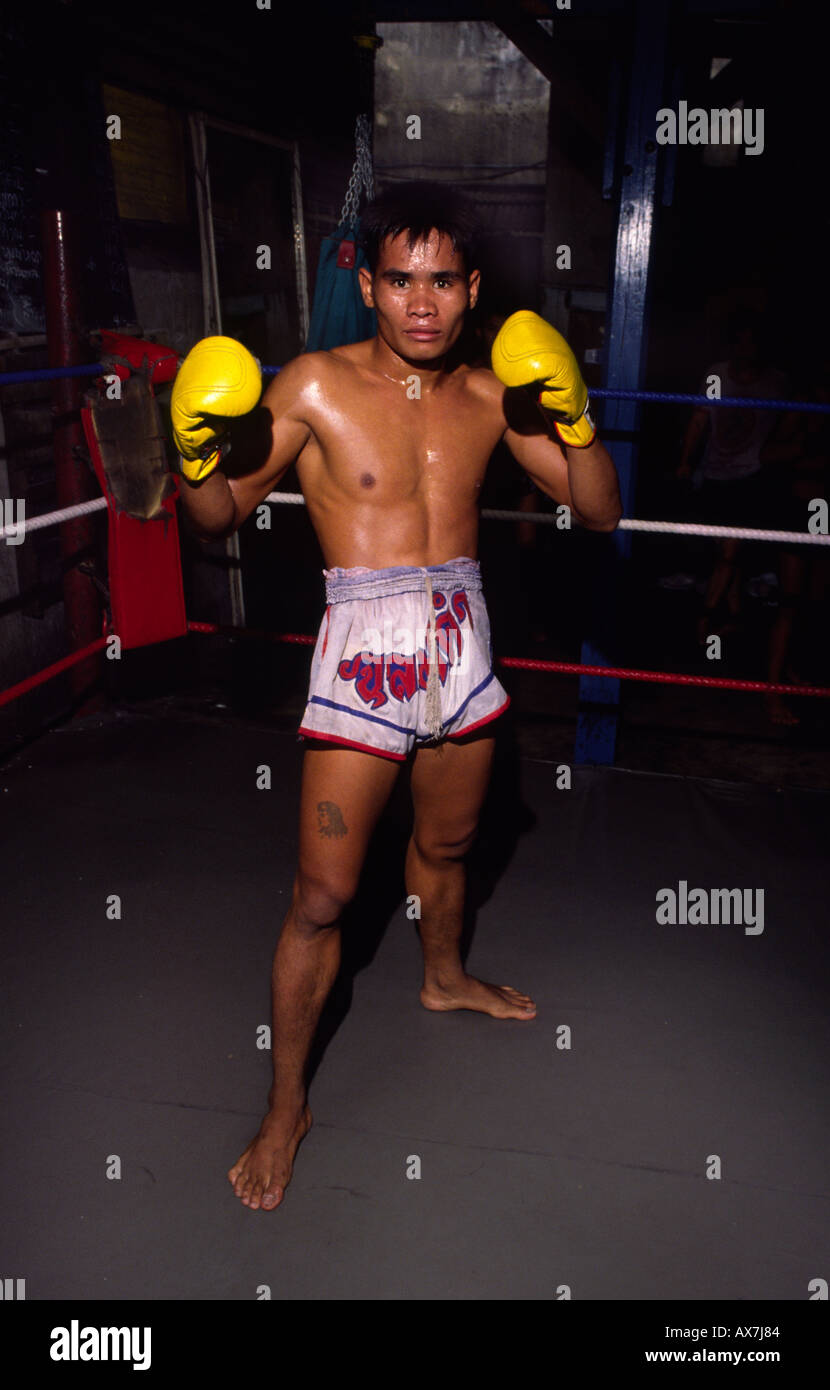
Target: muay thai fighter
391, 439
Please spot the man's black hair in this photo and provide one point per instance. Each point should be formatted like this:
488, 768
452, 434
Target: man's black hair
745, 319
418, 208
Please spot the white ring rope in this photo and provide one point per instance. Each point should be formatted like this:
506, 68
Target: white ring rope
680, 528
296, 499
37, 523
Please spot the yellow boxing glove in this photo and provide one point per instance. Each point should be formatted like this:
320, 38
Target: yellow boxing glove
219, 377
528, 350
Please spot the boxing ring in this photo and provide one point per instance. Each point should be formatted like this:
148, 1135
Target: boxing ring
606, 671
665, 1094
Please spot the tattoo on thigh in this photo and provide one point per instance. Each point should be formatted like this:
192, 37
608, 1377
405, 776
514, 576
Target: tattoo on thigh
331, 821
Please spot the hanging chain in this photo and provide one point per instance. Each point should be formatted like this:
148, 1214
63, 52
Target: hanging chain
362, 180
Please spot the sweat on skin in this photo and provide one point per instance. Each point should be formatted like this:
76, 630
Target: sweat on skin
389, 480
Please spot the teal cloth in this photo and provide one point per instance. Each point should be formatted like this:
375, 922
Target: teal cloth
339, 315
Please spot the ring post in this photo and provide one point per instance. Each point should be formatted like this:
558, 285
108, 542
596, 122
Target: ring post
73, 481
599, 696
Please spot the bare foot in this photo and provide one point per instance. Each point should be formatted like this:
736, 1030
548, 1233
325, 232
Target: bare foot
779, 713
500, 1001
259, 1178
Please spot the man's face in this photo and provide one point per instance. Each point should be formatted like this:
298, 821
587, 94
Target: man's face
746, 348
420, 295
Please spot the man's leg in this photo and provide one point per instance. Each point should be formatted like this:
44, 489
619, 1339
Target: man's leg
449, 783
721, 582
792, 579
343, 794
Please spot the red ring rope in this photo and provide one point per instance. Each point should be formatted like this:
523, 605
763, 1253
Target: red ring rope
569, 668
662, 677
40, 677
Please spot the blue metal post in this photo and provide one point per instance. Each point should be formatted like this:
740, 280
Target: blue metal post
624, 358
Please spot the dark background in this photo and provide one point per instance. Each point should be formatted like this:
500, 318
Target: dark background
754, 233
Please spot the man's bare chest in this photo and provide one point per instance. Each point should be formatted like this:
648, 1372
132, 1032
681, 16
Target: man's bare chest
404, 429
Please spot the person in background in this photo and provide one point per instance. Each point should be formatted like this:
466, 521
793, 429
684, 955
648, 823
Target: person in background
732, 493
797, 464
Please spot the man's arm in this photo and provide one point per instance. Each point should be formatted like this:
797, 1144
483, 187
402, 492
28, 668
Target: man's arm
264, 445
787, 440
532, 360
583, 479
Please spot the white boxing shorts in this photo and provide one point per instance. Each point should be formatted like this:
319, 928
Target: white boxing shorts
403, 657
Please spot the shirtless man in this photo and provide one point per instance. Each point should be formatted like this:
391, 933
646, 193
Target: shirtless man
390, 469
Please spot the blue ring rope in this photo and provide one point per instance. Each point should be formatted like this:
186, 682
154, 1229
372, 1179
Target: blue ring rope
662, 397
682, 398
51, 374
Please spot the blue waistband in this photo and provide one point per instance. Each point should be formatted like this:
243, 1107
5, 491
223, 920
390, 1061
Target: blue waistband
343, 585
